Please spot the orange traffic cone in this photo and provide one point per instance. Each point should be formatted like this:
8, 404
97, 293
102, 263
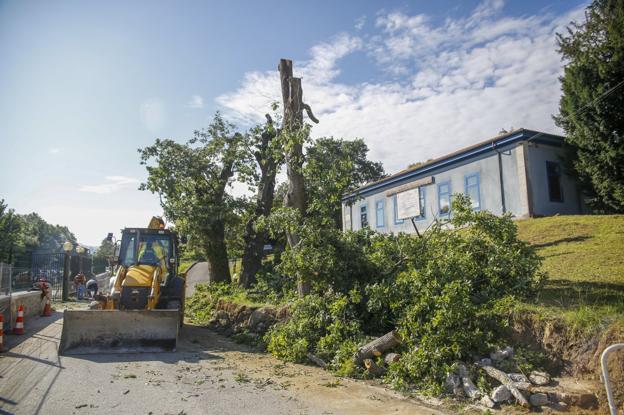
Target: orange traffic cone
47, 309
1, 333
19, 321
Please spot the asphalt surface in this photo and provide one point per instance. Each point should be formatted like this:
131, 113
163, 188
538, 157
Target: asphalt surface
208, 374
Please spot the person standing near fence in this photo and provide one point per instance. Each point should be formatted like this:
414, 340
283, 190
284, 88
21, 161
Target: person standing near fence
79, 282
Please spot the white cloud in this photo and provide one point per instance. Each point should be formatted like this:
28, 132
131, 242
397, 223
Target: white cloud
448, 85
54, 150
153, 114
360, 22
196, 102
111, 184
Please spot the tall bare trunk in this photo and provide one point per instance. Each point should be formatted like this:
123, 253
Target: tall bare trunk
292, 96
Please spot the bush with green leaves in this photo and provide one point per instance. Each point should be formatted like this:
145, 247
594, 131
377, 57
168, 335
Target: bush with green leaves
447, 293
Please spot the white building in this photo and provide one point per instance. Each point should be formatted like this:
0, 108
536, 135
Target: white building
519, 172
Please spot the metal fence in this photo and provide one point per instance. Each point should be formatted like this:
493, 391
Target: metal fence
5, 279
51, 267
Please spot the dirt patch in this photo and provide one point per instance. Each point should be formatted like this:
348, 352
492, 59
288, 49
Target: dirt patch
572, 354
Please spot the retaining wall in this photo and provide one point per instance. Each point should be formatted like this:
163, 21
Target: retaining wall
31, 300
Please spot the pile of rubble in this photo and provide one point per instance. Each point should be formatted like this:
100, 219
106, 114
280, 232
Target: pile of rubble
533, 391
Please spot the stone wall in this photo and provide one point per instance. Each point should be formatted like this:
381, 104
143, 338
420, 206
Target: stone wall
31, 300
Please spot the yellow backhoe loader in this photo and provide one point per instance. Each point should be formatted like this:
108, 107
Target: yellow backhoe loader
145, 307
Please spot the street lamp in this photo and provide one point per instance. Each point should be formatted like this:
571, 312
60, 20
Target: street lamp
67, 248
80, 250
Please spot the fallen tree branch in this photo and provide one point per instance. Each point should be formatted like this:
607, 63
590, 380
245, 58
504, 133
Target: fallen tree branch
514, 387
377, 347
317, 360
391, 358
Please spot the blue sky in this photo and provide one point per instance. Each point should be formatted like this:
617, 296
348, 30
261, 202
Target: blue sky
84, 84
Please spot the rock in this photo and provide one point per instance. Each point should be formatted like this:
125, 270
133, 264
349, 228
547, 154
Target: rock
518, 377
501, 394
462, 371
470, 389
539, 399
502, 354
487, 402
453, 384
486, 361
539, 378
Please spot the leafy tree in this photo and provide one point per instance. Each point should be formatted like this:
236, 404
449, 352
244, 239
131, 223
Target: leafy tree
102, 254
334, 167
591, 107
269, 155
9, 232
191, 180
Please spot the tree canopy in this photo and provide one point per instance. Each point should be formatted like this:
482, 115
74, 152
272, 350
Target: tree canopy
592, 104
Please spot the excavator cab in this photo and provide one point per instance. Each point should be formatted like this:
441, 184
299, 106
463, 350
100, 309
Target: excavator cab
145, 306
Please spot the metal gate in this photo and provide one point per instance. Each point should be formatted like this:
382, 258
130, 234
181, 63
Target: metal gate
51, 266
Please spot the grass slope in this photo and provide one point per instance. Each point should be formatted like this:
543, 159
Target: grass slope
584, 259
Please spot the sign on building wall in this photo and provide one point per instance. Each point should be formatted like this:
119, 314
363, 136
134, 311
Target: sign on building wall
408, 204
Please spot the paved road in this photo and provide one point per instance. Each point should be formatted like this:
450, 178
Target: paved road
207, 375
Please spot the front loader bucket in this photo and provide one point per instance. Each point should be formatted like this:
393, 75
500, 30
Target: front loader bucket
115, 331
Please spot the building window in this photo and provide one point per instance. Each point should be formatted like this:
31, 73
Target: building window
422, 194
363, 217
397, 221
379, 213
553, 173
347, 217
444, 198
472, 190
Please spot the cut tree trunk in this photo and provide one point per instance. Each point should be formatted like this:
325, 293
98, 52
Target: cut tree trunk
514, 387
377, 346
373, 368
391, 358
292, 96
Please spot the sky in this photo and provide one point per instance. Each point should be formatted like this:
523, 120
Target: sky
83, 85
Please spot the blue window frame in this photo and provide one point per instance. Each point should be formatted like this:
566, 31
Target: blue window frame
379, 213
363, 217
397, 221
553, 174
422, 195
472, 189
444, 198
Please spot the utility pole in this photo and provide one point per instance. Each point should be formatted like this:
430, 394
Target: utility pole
292, 96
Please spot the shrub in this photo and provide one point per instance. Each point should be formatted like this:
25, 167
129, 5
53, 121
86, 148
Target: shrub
447, 293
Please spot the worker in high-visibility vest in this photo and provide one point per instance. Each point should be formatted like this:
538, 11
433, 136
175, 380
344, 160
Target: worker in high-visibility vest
152, 252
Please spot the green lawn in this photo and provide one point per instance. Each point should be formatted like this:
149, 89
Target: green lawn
584, 259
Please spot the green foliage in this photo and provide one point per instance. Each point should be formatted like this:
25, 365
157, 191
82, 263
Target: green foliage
204, 300
191, 180
334, 167
101, 256
447, 293
325, 325
21, 235
590, 109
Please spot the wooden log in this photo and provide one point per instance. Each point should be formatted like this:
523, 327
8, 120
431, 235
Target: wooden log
373, 368
377, 346
514, 387
317, 360
391, 358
